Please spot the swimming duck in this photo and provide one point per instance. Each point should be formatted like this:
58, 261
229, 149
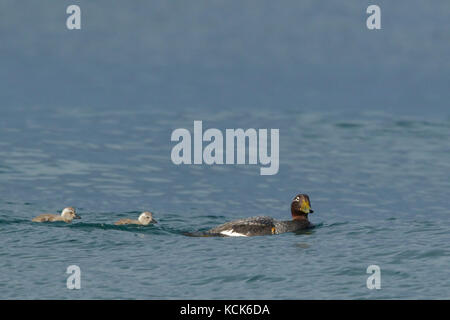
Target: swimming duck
262, 225
67, 215
144, 219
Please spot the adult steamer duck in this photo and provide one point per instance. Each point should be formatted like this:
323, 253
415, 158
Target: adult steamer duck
263, 225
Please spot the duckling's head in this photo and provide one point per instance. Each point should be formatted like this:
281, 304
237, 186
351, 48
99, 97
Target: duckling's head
301, 206
146, 218
69, 214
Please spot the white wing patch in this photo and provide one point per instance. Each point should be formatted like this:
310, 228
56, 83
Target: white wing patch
231, 233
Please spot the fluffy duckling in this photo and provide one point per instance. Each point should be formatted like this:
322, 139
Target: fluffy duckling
144, 219
67, 215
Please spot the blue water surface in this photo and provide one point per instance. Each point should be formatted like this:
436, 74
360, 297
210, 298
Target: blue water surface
86, 118
377, 184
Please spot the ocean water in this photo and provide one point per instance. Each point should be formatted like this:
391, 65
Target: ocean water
86, 118
378, 183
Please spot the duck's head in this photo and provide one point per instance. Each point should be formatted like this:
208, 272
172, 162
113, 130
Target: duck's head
301, 206
69, 213
146, 218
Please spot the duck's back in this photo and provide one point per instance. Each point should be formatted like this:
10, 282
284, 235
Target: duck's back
47, 217
254, 226
126, 221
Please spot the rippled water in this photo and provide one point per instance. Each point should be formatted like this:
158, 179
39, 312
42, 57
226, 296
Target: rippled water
378, 184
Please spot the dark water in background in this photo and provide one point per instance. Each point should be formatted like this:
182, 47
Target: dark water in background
86, 118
